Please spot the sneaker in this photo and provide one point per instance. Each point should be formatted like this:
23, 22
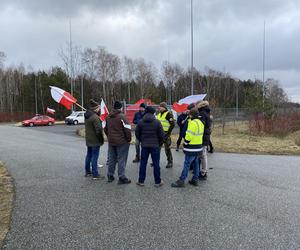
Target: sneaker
110, 178
211, 151
136, 160
124, 180
99, 177
159, 184
177, 149
100, 166
194, 182
203, 177
178, 184
169, 165
88, 175
141, 184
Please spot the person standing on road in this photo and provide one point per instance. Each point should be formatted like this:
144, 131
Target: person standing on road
192, 147
118, 132
182, 122
203, 108
137, 117
93, 138
150, 133
167, 121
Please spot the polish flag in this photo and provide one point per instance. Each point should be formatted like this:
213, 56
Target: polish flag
62, 97
104, 111
50, 111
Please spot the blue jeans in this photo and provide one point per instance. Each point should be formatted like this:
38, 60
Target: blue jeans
92, 157
155, 155
189, 159
137, 148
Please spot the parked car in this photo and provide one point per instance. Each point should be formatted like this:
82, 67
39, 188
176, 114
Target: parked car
39, 120
75, 118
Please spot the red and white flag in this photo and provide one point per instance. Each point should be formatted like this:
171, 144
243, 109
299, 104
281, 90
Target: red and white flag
50, 111
62, 97
103, 111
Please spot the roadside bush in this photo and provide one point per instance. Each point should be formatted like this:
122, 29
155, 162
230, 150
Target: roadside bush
276, 125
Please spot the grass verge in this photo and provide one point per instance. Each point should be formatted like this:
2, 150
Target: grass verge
235, 138
6, 202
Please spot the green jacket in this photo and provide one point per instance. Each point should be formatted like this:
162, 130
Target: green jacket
93, 129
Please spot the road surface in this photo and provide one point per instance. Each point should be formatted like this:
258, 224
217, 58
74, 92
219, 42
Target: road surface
248, 202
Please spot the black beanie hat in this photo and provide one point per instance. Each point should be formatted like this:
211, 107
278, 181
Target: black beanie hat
143, 105
93, 104
118, 105
150, 110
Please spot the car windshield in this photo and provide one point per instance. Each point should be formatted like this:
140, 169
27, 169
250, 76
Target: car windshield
35, 118
73, 113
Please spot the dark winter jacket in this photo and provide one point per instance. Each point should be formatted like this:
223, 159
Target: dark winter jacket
137, 117
205, 117
93, 129
117, 129
181, 120
149, 132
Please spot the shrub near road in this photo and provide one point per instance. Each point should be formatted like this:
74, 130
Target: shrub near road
6, 200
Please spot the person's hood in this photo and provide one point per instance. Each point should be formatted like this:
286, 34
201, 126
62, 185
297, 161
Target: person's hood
207, 109
88, 114
114, 113
148, 117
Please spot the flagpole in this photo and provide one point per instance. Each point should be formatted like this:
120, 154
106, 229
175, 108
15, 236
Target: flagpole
80, 106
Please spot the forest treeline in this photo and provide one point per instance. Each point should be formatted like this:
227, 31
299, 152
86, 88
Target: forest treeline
101, 74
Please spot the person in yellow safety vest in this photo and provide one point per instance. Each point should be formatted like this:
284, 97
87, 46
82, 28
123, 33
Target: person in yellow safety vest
192, 148
168, 123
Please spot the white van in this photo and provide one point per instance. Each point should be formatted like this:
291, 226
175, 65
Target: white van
75, 118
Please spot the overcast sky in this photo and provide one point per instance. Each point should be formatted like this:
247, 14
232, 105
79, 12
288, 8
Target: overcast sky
228, 35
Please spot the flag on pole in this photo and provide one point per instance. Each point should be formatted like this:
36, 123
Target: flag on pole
103, 113
50, 111
62, 97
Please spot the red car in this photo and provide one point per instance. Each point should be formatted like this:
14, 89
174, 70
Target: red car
39, 120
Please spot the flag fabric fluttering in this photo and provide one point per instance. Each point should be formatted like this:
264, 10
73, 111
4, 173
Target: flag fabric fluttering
182, 104
62, 97
103, 111
50, 111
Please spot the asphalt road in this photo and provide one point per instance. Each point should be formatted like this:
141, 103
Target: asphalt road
248, 202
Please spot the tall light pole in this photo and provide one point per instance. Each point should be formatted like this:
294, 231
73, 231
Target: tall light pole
71, 59
264, 55
192, 50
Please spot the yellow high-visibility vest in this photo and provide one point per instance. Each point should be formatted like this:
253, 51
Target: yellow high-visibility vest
164, 122
194, 136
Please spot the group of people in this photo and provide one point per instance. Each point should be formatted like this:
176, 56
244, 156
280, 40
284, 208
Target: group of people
152, 132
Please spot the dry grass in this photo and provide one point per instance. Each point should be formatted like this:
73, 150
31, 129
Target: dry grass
6, 202
237, 139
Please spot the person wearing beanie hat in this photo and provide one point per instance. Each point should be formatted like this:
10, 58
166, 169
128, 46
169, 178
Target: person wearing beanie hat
118, 132
204, 111
168, 123
149, 132
192, 147
182, 123
137, 117
94, 139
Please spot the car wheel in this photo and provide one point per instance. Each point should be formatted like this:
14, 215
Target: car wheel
31, 124
75, 122
50, 123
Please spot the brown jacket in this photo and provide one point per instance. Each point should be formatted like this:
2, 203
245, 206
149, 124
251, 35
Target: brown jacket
117, 129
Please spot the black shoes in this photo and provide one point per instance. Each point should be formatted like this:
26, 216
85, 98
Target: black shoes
169, 165
136, 160
110, 178
124, 180
177, 149
88, 175
203, 177
178, 184
194, 182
